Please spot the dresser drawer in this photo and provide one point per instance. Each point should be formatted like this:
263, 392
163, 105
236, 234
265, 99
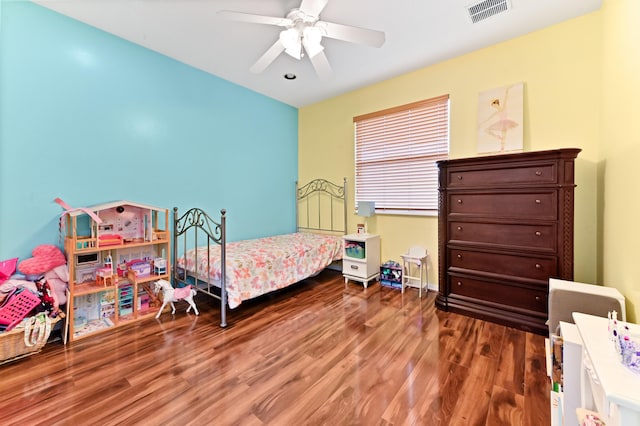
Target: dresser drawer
354, 268
521, 205
533, 238
534, 174
533, 268
503, 294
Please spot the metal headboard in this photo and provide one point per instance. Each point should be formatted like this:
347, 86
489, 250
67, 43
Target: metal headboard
319, 197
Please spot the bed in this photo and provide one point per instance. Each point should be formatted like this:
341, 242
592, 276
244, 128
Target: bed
203, 258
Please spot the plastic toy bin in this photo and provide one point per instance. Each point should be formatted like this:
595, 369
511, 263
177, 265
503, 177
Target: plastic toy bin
355, 249
391, 274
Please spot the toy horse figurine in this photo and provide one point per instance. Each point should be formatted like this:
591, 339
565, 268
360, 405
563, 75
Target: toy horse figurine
170, 295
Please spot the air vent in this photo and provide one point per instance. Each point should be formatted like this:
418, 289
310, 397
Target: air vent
487, 8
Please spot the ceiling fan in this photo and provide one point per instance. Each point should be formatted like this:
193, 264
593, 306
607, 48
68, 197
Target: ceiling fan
302, 34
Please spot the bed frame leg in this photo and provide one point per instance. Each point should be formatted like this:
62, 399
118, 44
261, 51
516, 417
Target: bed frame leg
223, 305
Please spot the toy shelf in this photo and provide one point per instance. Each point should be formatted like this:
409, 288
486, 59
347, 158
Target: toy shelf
92, 327
90, 288
133, 278
96, 248
94, 287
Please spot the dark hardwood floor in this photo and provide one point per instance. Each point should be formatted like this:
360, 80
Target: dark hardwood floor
318, 353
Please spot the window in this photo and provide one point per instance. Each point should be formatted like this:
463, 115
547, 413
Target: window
396, 153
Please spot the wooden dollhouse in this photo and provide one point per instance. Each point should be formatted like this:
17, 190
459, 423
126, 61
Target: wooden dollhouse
111, 252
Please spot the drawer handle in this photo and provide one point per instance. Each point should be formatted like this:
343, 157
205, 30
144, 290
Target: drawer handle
538, 298
538, 266
459, 201
459, 177
354, 266
538, 202
538, 173
459, 256
459, 284
459, 228
538, 233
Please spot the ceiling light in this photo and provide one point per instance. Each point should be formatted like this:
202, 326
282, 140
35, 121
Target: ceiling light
311, 37
290, 39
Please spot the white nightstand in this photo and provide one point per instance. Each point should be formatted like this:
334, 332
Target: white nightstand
361, 258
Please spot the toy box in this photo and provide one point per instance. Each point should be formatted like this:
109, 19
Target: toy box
391, 274
140, 268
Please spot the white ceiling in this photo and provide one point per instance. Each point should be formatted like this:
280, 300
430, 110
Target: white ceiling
418, 33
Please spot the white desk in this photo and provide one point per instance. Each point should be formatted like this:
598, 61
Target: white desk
606, 383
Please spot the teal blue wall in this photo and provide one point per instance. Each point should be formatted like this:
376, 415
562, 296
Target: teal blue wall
91, 118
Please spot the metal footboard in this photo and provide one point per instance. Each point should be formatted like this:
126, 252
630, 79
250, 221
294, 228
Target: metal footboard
193, 229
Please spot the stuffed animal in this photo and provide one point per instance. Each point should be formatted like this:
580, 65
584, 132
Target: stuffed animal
58, 278
48, 302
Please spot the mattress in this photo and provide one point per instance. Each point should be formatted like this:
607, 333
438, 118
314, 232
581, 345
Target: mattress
259, 266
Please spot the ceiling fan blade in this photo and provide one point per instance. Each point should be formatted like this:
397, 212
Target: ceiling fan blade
269, 56
351, 34
255, 19
321, 65
313, 7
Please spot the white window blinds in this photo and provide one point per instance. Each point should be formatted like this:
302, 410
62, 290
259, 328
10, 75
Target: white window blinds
396, 150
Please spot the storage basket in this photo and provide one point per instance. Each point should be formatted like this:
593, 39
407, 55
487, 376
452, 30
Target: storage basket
18, 307
355, 249
13, 346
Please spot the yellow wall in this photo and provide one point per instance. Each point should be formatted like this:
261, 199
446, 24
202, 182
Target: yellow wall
620, 151
562, 73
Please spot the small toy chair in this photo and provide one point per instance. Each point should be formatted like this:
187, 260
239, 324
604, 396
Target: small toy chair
159, 266
416, 257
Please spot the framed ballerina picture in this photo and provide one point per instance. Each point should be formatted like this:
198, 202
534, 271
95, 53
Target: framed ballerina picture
500, 119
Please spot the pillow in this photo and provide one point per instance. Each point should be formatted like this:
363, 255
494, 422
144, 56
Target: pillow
7, 268
45, 258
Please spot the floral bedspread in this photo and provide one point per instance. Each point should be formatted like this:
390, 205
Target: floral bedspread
259, 266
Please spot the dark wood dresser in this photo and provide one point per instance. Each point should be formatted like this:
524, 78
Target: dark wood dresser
505, 227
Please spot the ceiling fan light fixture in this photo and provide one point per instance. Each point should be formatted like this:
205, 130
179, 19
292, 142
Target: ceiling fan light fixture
290, 39
311, 38
302, 33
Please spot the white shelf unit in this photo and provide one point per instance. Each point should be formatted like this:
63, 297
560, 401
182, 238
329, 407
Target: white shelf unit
361, 258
